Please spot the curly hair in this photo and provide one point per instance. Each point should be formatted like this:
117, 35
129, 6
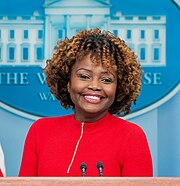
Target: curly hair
107, 49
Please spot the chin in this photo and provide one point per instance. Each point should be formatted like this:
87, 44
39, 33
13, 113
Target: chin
93, 110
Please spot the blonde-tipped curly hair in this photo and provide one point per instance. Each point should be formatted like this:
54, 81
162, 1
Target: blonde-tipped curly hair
105, 48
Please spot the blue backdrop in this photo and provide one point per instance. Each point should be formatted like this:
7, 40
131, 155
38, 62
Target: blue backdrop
24, 96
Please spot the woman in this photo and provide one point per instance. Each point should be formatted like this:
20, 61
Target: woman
97, 75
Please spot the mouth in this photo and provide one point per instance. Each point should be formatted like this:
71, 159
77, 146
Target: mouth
93, 98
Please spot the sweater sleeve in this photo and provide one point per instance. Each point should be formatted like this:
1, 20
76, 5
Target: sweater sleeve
137, 157
29, 159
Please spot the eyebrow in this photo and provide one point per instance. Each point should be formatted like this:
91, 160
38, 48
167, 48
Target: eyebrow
83, 69
105, 72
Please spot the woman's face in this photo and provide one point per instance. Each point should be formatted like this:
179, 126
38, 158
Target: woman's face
92, 89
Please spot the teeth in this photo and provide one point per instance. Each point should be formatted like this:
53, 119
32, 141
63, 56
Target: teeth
93, 97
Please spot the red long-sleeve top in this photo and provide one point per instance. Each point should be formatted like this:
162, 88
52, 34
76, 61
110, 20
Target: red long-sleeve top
57, 147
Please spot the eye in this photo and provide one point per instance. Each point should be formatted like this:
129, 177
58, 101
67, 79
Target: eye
83, 76
107, 80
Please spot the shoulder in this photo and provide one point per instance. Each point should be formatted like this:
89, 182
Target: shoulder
133, 135
126, 127
47, 126
54, 119
50, 122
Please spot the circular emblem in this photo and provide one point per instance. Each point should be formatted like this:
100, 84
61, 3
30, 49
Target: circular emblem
22, 82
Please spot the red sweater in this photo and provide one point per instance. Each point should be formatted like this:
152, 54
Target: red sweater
51, 142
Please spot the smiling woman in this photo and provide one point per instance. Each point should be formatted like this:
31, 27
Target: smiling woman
97, 75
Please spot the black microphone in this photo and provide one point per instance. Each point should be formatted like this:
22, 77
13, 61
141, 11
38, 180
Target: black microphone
100, 168
83, 168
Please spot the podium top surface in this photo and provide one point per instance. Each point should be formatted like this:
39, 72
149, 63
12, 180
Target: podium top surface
89, 181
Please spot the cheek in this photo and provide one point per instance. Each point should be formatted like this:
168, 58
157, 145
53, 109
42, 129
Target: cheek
75, 88
111, 91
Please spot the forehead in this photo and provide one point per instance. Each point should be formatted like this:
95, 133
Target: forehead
92, 60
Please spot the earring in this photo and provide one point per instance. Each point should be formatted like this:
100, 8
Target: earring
68, 88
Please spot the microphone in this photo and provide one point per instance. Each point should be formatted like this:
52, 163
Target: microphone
100, 168
83, 168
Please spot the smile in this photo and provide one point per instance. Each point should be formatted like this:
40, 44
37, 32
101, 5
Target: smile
92, 99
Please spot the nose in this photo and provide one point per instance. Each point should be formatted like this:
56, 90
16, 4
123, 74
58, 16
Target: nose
95, 85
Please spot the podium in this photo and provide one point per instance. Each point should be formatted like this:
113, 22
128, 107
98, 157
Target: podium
89, 181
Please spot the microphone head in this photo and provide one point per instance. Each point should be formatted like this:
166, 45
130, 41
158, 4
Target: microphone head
99, 165
83, 166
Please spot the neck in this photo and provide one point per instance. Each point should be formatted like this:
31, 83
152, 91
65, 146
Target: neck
89, 117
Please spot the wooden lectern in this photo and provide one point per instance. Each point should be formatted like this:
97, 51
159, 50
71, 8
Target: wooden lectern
89, 181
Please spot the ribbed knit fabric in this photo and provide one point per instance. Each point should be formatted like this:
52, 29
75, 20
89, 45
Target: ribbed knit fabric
51, 142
